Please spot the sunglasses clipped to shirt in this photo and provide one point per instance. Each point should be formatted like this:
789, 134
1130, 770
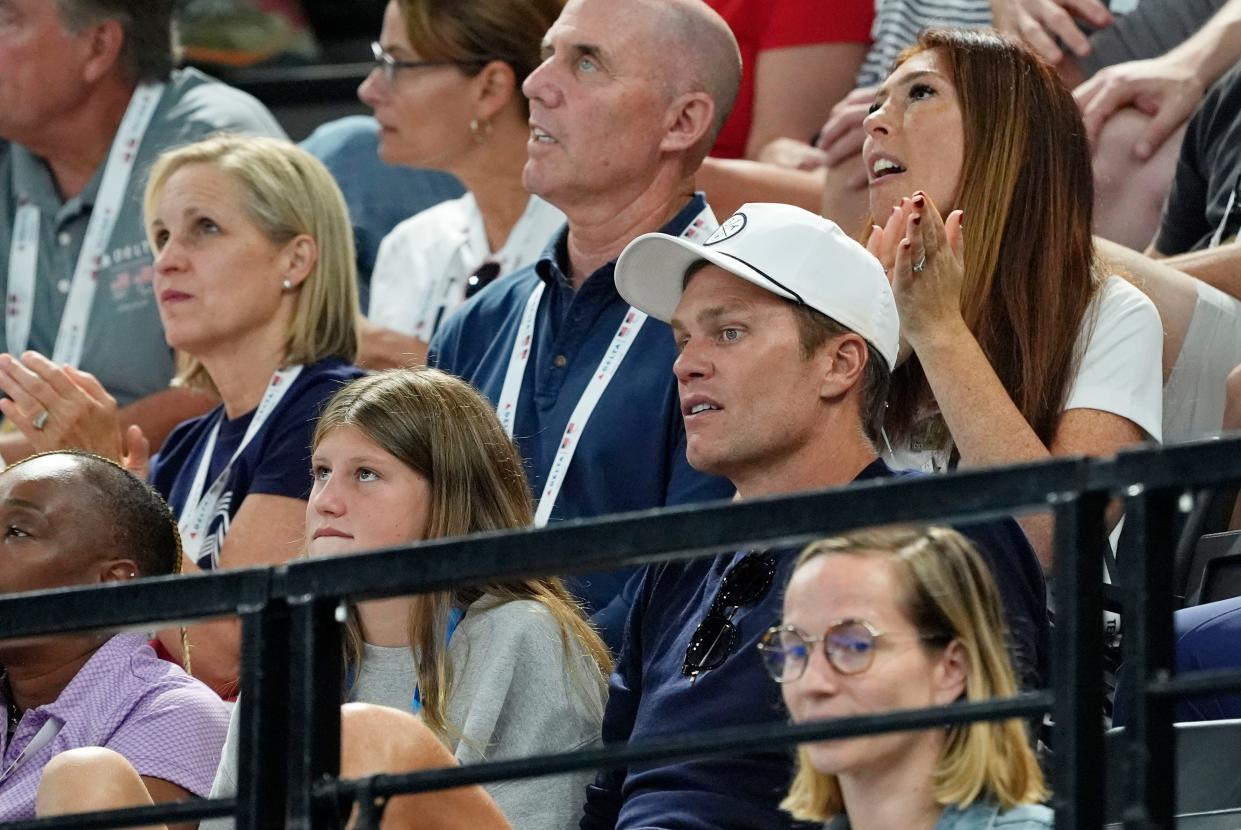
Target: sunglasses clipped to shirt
481, 278
716, 636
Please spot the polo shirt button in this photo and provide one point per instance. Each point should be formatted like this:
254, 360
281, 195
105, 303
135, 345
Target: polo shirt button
63, 286
560, 361
64, 239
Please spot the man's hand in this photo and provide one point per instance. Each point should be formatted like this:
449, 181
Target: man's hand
1162, 88
1040, 22
843, 135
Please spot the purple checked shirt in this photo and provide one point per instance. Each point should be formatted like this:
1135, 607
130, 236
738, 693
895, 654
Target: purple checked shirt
166, 723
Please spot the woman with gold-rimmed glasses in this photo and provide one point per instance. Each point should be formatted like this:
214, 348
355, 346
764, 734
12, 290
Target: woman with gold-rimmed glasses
893, 619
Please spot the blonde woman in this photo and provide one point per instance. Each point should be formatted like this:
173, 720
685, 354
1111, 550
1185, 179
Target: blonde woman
255, 279
902, 619
504, 670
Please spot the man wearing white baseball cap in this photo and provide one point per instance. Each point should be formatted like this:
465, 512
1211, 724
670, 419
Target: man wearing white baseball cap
786, 330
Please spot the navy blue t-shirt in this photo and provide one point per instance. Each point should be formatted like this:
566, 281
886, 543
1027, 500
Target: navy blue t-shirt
649, 696
276, 462
632, 452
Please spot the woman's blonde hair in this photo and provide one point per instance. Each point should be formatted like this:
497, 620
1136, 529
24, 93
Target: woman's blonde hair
288, 193
945, 589
443, 429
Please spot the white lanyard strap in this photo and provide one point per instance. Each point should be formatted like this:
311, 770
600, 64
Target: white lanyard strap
702, 226
50, 729
24, 249
200, 508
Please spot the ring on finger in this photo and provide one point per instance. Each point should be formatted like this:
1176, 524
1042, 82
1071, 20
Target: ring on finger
40, 420
920, 264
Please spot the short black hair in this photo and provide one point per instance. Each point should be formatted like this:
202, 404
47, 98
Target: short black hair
143, 525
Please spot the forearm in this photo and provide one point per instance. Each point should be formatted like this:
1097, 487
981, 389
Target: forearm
1214, 48
1219, 266
985, 424
730, 183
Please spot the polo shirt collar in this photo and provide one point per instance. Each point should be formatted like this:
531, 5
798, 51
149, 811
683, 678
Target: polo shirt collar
552, 266
32, 180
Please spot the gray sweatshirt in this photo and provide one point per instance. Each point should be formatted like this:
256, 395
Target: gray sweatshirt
515, 693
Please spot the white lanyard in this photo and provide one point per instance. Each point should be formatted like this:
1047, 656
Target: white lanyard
702, 225
24, 250
200, 508
50, 729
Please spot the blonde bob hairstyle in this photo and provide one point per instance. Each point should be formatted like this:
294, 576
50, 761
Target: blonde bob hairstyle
443, 429
945, 588
288, 193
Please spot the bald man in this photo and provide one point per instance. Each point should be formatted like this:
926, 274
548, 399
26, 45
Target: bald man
76, 519
623, 109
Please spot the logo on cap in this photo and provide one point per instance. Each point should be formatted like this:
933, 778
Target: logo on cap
731, 227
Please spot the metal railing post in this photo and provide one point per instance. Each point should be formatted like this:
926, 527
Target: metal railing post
262, 768
1078, 779
1146, 573
315, 681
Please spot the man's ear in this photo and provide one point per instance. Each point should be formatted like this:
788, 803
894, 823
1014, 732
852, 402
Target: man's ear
689, 119
493, 89
103, 43
950, 674
844, 364
118, 570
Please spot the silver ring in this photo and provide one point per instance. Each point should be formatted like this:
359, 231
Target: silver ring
40, 420
920, 264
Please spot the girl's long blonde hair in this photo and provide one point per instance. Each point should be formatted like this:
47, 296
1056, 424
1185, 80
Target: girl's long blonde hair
442, 428
945, 589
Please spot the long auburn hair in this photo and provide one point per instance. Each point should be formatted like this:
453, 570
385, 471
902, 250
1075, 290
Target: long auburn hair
1027, 192
442, 428
947, 592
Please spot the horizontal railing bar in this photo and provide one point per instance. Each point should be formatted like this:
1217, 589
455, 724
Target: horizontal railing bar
684, 532
181, 811
712, 742
137, 602
1197, 683
1203, 463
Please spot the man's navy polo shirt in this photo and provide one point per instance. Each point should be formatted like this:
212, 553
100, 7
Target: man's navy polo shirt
631, 455
649, 696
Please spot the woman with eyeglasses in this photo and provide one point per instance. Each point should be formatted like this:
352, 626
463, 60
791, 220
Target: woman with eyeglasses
890, 619
446, 90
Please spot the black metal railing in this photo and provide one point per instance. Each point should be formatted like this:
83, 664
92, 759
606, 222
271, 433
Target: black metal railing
291, 667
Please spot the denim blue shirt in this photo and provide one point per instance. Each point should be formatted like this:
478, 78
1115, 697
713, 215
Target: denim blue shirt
632, 452
983, 816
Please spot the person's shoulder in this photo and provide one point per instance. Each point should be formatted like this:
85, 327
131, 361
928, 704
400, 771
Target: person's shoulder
513, 620
200, 105
1117, 296
165, 684
1025, 817
420, 229
318, 382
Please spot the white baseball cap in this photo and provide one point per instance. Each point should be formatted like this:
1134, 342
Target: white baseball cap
791, 252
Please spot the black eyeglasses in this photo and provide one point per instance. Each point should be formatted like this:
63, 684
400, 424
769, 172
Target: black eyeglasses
716, 636
389, 65
480, 279
848, 644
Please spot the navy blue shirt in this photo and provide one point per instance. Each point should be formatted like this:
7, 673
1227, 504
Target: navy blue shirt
631, 455
649, 695
276, 461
